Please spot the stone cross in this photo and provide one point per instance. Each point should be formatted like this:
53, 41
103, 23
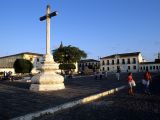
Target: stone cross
47, 17
47, 79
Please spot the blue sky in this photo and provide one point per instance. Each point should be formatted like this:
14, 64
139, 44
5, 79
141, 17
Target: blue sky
99, 27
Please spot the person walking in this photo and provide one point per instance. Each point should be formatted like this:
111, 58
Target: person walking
147, 78
100, 75
95, 75
131, 84
118, 73
106, 74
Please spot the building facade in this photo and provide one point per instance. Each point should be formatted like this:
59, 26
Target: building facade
127, 62
88, 65
6, 62
151, 66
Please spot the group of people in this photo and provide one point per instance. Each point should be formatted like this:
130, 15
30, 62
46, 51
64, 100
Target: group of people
131, 82
100, 75
145, 81
7, 75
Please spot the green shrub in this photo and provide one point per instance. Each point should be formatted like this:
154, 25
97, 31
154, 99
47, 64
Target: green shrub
1, 73
68, 66
22, 66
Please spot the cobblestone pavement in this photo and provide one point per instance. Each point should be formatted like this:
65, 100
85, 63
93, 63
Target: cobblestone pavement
17, 100
119, 106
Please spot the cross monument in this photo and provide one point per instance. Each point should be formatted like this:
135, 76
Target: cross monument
47, 79
47, 17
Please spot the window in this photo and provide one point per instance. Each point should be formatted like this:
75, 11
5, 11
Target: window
128, 61
108, 68
123, 61
107, 62
150, 67
117, 61
86, 64
112, 62
146, 67
37, 59
134, 67
129, 67
103, 69
153, 67
103, 63
157, 67
134, 60
31, 59
141, 68
118, 67
79, 65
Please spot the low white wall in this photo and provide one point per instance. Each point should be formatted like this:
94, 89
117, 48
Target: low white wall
7, 70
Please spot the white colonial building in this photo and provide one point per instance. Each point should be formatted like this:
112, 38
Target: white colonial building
6, 62
127, 62
151, 66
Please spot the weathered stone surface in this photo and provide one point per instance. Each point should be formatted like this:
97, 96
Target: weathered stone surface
48, 79
46, 87
45, 78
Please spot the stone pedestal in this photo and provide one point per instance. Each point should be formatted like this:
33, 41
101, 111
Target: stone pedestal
47, 79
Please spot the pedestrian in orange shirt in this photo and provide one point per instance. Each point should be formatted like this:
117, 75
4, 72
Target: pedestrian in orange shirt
131, 84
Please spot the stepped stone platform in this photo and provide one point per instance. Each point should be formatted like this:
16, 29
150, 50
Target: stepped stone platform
16, 99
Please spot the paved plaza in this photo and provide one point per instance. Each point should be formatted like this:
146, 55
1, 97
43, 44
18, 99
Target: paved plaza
16, 99
119, 106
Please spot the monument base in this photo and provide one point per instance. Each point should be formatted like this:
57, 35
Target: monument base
47, 87
47, 79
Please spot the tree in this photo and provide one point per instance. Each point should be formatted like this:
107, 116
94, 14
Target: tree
22, 66
68, 66
68, 54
